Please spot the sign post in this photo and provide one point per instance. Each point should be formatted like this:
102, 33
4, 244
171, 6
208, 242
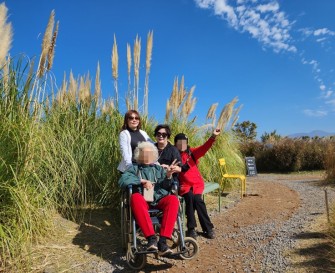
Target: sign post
251, 166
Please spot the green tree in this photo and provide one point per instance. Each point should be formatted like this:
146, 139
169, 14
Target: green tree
270, 137
246, 130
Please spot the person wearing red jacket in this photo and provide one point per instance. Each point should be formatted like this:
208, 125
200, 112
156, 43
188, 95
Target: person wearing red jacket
192, 184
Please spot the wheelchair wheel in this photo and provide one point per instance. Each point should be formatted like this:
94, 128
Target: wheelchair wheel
136, 261
124, 224
192, 249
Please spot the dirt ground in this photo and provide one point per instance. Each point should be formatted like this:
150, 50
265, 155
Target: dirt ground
95, 245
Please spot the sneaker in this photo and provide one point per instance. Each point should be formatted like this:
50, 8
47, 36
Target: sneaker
152, 243
209, 234
191, 233
163, 249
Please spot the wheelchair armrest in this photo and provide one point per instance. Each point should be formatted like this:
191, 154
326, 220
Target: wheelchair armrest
130, 189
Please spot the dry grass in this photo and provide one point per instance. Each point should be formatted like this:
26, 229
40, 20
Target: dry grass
129, 93
226, 114
115, 69
137, 57
181, 103
51, 51
330, 163
147, 72
6, 34
97, 86
314, 251
46, 44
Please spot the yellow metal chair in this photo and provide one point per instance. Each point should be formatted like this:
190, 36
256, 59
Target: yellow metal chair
225, 175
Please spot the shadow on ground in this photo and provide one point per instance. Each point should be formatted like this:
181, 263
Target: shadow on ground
99, 234
316, 256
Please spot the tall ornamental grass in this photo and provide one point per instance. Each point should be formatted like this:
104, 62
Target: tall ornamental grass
178, 115
56, 155
59, 148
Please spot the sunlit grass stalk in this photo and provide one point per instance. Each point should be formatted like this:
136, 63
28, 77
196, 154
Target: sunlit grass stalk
226, 114
137, 56
97, 89
47, 54
6, 34
129, 95
235, 116
115, 70
47, 40
51, 51
211, 114
147, 72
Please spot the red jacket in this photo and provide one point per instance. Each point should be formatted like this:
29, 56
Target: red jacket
192, 177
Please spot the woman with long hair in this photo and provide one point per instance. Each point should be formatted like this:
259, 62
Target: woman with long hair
129, 138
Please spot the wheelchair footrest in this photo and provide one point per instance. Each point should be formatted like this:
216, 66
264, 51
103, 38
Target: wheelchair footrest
145, 252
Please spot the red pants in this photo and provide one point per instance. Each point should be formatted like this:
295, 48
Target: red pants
168, 204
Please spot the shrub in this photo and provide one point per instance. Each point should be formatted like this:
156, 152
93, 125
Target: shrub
330, 162
287, 155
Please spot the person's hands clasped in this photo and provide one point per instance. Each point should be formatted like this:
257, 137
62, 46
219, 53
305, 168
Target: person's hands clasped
146, 184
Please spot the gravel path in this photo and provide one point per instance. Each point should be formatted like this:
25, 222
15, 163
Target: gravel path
252, 235
312, 197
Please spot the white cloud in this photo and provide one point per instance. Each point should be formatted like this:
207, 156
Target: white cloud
315, 113
274, 6
221, 8
264, 22
323, 31
314, 64
321, 39
328, 94
331, 102
306, 31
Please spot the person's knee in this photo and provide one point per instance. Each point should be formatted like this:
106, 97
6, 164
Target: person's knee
137, 199
173, 200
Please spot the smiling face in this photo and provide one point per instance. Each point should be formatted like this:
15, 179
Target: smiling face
133, 121
162, 137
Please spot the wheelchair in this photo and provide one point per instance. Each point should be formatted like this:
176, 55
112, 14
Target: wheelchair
134, 243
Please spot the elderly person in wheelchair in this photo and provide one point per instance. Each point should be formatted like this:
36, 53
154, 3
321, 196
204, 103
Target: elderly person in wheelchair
146, 177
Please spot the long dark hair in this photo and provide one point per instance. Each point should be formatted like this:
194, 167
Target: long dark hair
127, 115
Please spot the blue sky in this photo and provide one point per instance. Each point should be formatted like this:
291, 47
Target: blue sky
277, 57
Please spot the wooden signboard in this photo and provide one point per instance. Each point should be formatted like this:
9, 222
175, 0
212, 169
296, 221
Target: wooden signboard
251, 166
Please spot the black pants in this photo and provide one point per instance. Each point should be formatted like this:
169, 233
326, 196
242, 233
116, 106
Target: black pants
194, 202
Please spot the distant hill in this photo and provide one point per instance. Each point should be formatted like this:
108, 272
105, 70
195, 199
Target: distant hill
314, 133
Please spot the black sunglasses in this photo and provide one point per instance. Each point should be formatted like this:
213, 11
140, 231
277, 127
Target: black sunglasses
132, 118
163, 135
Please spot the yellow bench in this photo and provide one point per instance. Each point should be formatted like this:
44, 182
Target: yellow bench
226, 175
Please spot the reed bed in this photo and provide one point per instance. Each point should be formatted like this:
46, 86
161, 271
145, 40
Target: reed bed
59, 147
